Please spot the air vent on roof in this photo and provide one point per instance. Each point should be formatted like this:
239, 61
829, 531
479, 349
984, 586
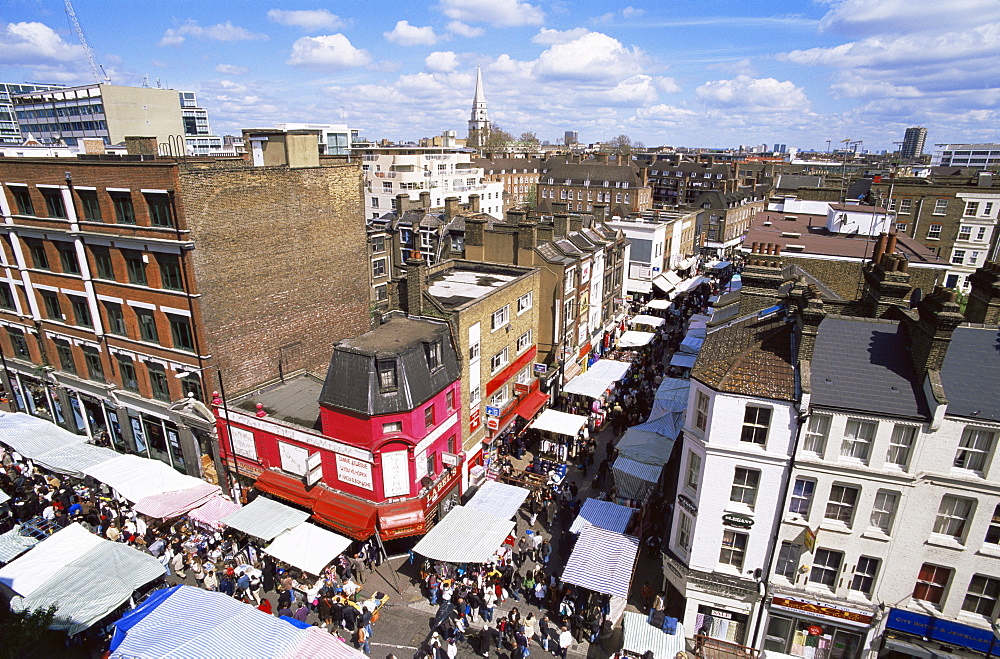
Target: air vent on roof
790, 234
767, 223
790, 218
791, 247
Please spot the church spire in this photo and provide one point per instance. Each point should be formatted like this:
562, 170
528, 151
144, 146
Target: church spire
480, 97
479, 121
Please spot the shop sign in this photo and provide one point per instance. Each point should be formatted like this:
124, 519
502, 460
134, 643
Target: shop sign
354, 472
737, 521
541, 368
810, 539
520, 388
687, 504
492, 411
813, 607
815, 630
449, 458
474, 420
676, 572
492, 423
403, 531
944, 631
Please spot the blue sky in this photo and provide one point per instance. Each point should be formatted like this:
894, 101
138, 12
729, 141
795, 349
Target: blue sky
716, 73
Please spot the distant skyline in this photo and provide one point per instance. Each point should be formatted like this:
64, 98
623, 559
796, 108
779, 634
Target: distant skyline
708, 73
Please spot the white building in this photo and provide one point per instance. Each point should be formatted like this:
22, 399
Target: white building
976, 236
977, 156
10, 131
334, 139
656, 244
442, 172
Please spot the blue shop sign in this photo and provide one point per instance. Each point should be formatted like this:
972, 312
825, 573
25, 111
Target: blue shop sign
952, 633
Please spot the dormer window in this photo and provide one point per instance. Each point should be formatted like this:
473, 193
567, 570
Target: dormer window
387, 375
433, 352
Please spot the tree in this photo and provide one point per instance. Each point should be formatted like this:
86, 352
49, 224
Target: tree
21, 630
529, 141
623, 146
497, 140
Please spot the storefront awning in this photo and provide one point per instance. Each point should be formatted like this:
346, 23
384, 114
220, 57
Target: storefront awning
213, 510
530, 404
287, 488
598, 379
265, 518
400, 515
350, 516
465, 535
499, 499
667, 281
308, 547
560, 423
136, 478
683, 361
633, 339
643, 319
640, 637
602, 561
604, 515
638, 286
658, 305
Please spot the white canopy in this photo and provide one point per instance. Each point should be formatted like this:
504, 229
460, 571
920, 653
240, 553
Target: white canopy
500, 499
699, 317
308, 547
25, 575
265, 519
658, 304
601, 375
643, 319
52, 447
640, 636
136, 478
633, 339
559, 422
465, 535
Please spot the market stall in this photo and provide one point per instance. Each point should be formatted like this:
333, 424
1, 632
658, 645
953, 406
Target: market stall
691, 345
658, 305
465, 535
680, 360
265, 519
28, 573
634, 339
635, 480
639, 637
136, 478
604, 515
602, 561
51, 447
671, 397
210, 513
14, 542
499, 499
649, 321
169, 505
560, 431
651, 442
308, 547
598, 379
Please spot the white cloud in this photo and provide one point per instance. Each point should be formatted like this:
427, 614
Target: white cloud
218, 32
668, 85
632, 12
330, 52
754, 95
637, 90
494, 12
35, 44
665, 114
442, 61
307, 19
410, 35
547, 37
743, 66
463, 30
860, 17
231, 69
857, 87
593, 56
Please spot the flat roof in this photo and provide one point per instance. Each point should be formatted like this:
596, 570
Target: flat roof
295, 401
465, 283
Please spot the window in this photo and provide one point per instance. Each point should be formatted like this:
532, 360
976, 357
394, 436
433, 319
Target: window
693, 470
684, 532
374, 201
23, 200
700, 411
965, 232
95, 369
52, 309
884, 510
840, 507
864, 575
392, 426
744, 490
499, 398
499, 360
432, 351
449, 401
159, 210
755, 424
858, 438
180, 332
982, 596
900, 445
802, 495
54, 205
934, 231
124, 213
971, 208
20, 345
81, 311
377, 242
127, 370
987, 209
931, 582
387, 375
940, 207
501, 317
102, 263
116, 319
992, 532
381, 293
974, 449
429, 416
788, 560
67, 258
474, 351
39, 258
170, 272
953, 517
91, 207
6, 297
135, 266
147, 325
65, 352
905, 205
816, 433
826, 567
191, 387
158, 381
524, 341
958, 257
734, 547
523, 303
378, 268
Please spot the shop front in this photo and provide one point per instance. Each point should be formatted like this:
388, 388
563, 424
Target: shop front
822, 630
908, 634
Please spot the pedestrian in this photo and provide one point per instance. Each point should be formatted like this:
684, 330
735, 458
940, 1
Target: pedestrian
489, 602
211, 580
265, 606
536, 544
545, 551
543, 632
302, 612
361, 641
565, 640
647, 596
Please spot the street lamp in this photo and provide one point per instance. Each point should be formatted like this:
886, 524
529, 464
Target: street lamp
234, 481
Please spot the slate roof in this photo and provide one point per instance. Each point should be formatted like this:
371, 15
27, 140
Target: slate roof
750, 357
971, 373
864, 365
559, 170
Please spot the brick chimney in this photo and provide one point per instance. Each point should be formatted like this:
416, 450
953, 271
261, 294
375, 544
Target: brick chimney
811, 314
415, 275
930, 332
575, 223
559, 207
984, 298
600, 212
762, 277
425, 200
475, 230
601, 158
474, 203
451, 208
560, 225
527, 236
887, 280
402, 203
137, 145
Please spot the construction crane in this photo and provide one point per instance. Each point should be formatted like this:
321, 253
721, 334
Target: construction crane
75, 22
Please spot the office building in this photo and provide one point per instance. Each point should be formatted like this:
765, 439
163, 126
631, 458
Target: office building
913, 142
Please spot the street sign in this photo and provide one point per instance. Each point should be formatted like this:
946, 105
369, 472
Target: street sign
492, 423
492, 411
541, 368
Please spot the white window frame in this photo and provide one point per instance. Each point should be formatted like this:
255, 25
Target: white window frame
884, 511
684, 532
524, 303
975, 450
693, 477
500, 317
971, 209
798, 499
981, 598
789, 556
378, 264
500, 397
965, 232
856, 445
904, 206
824, 567
523, 342
954, 517
817, 433
901, 446
754, 426
940, 207
499, 360
865, 573
839, 502
934, 231
734, 546
746, 483
701, 402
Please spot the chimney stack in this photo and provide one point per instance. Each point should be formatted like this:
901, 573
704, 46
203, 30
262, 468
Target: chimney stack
600, 212
450, 208
887, 281
811, 313
601, 158
575, 223
930, 333
527, 236
141, 146
560, 225
474, 203
425, 200
402, 203
984, 298
415, 275
762, 277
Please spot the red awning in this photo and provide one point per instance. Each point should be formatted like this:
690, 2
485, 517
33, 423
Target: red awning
398, 520
287, 488
345, 514
530, 404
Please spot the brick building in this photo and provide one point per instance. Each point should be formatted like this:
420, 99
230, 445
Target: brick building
622, 187
124, 279
519, 176
678, 181
725, 217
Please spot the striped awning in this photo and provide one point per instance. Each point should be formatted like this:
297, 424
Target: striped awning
640, 636
136, 478
602, 561
54, 448
265, 519
13, 544
499, 499
465, 535
214, 510
635, 480
174, 504
604, 515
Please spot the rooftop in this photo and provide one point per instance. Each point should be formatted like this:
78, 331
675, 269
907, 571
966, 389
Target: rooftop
971, 372
466, 281
293, 401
